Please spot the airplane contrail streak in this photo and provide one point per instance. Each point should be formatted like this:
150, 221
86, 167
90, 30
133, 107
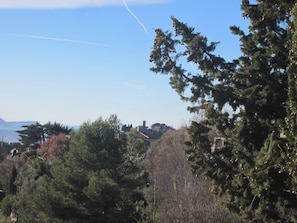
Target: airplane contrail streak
59, 39
131, 13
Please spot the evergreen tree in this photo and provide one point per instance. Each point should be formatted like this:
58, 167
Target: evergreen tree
28, 178
291, 121
92, 182
55, 129
292, 83
6, 203
32, 135
244, 101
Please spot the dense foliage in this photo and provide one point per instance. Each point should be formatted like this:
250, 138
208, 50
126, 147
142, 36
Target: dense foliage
291, 120
32, 136
245, 101
87, 177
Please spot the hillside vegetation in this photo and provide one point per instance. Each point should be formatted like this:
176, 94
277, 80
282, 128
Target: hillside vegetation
98, 175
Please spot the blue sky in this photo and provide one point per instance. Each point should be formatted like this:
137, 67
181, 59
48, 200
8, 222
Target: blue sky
75, 61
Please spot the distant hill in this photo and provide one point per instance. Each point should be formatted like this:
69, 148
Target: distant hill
8, 130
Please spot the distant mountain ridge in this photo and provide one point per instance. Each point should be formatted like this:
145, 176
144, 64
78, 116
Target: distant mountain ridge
8, 130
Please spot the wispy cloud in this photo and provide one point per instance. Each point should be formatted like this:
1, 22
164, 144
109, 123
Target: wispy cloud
59, 39
139, 22
51, 4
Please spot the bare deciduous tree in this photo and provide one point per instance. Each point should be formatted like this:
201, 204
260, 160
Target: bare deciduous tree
54, 147
175, 193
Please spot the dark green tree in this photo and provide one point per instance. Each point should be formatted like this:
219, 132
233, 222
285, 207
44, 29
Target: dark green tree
28, 178
93, 182
291, 121
245, 102
32, 136
55, 129
9, 191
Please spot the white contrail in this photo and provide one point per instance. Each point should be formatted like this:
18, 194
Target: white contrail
139, 22
59, 39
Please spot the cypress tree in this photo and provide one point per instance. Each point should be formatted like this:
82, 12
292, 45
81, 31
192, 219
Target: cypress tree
291, 120
245, 102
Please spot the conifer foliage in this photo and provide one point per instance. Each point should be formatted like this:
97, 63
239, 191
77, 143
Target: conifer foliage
291, 121
32, 136
245, 102
93, 182
292, 89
